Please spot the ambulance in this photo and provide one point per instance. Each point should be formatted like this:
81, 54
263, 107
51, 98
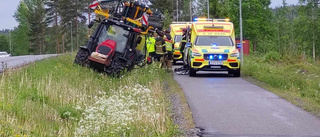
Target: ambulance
176, 33
212, 47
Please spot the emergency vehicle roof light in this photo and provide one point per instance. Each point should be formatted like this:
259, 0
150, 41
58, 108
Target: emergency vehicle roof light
221, 20
213, 20
201, 19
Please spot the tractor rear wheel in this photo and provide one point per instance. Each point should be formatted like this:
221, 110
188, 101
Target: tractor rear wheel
82, 58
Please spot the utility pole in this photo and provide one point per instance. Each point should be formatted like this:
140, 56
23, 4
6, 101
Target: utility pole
89, 17
10, 42
177, 10
190, 10
208, 8
241, 32
313, 33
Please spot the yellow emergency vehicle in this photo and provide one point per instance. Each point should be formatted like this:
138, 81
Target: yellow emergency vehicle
176, 33
213, 47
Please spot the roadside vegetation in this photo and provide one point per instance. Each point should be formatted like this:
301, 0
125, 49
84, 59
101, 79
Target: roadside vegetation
294, 78
56, 98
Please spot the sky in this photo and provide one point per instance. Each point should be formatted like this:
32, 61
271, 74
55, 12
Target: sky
8, 8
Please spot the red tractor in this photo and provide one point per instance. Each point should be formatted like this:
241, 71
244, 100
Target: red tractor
118, 43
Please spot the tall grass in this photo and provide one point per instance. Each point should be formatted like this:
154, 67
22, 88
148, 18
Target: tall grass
56, 98
293, 77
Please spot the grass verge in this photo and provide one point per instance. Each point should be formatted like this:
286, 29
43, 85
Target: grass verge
291, 78
56, 98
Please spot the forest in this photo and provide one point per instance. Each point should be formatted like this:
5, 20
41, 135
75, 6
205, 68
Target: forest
59, 26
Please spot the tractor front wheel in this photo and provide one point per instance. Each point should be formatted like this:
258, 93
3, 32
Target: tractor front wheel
82, 58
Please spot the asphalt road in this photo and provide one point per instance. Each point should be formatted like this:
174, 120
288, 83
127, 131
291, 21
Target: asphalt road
16, 61
226, 106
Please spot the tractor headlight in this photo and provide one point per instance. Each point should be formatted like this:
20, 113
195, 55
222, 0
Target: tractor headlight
196, 54
235, 55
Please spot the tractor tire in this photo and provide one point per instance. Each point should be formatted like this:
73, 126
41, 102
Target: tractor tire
133, 63
156, 22
82, 58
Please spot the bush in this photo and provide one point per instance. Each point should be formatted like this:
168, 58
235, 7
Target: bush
272, 56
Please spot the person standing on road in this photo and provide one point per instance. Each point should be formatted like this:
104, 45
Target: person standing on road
169, 49
160, 47
183, 47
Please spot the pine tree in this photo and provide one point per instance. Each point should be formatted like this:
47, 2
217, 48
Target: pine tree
37, 24
52, 18
20, 36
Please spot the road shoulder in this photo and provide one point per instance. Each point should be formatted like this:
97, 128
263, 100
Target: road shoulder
181, 112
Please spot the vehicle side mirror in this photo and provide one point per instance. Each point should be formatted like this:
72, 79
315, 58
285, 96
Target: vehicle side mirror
189, 45
91, 24
238, 45
139, 39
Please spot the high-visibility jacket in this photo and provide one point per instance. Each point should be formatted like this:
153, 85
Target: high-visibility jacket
151, 41
160, 46
161, 49
169, 44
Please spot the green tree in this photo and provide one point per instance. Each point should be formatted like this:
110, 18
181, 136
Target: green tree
37, 24
217, 8
307, 27
20, 36
4, 43
52, 17
284, 29
257, 19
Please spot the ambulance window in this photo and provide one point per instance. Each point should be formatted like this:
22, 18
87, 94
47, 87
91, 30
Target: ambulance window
210, 40
178, 38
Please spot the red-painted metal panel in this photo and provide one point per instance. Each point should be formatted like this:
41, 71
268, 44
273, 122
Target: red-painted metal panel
246, 46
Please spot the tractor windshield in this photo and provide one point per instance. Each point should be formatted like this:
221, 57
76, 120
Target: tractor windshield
115, 33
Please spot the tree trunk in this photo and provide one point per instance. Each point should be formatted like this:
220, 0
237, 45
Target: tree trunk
57, 29
63, 49
77, 34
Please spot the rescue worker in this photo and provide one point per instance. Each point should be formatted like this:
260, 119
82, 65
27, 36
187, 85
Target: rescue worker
151, 41
183, 44
160, 46
169, 49
185, 38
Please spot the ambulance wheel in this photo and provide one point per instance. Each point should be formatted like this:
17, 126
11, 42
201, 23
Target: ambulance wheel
174, 62
236, 73
192, 72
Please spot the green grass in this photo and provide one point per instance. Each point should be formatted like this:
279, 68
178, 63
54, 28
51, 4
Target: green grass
54, 97
292, 78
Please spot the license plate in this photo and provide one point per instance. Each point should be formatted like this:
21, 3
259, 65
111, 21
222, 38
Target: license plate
215, 67
215, 63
